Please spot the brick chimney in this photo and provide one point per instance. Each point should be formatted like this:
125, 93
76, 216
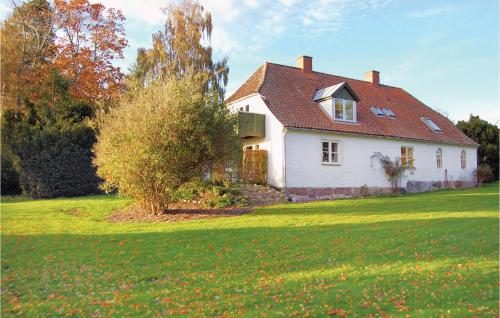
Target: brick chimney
373, 77
305, 63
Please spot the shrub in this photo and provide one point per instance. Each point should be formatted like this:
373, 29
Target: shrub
52, 148
393, 169
224, 196
484, 173
190, 191
161, 137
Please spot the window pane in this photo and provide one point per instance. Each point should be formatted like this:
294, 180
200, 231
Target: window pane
410, 156
349, 110
325, 156
325, 152
334, 147
335, 154
339, 109
403, 152
325, 146
335, 157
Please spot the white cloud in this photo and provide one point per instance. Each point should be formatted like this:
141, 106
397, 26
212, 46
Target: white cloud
329, 15
288, 3
145, 11
252, 3
225, 11
431, 12
222, 42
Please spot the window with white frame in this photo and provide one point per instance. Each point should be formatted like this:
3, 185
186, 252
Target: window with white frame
344, 110
439, 158
407, 156
330, 151
463, 159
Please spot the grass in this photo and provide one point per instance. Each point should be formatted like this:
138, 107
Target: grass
433, 254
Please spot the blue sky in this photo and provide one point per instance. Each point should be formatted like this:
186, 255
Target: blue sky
443, 52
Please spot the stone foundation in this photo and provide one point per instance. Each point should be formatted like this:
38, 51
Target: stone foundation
310, 194
426, 186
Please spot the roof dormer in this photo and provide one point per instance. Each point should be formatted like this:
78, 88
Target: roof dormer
338, 101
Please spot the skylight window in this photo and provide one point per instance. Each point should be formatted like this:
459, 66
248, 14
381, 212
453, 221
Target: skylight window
389, 113
431, 124
377, 111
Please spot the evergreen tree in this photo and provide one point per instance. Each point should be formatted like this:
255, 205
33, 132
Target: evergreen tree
486, 135
51, 144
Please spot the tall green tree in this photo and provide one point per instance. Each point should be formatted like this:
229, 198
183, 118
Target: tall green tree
486, 135
182, 47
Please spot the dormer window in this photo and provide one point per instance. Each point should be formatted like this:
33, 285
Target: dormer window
338, 101
345, 110
431, 124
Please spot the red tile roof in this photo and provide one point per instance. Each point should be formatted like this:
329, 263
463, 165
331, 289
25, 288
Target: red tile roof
289, 92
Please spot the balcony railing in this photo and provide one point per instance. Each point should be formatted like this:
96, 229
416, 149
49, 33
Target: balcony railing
251, 125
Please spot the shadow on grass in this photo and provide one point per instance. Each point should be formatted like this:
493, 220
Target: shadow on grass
259, 269
466, 202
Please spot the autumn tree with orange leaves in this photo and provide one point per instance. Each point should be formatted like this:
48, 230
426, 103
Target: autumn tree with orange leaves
27, 50
79, 39
89, 40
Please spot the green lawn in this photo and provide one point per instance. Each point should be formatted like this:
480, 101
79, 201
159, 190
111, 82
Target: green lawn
420, 255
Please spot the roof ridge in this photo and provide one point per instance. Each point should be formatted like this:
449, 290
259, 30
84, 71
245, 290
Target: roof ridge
344, 77
263, 79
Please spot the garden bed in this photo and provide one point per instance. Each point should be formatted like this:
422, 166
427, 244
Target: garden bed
178, 213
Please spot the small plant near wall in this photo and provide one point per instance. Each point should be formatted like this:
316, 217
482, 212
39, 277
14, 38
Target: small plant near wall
484, 173
393, 169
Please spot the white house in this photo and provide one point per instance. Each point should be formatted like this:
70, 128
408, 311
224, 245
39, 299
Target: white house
320, 131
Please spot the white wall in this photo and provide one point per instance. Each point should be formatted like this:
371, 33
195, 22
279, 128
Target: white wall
304, 167
273, 140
